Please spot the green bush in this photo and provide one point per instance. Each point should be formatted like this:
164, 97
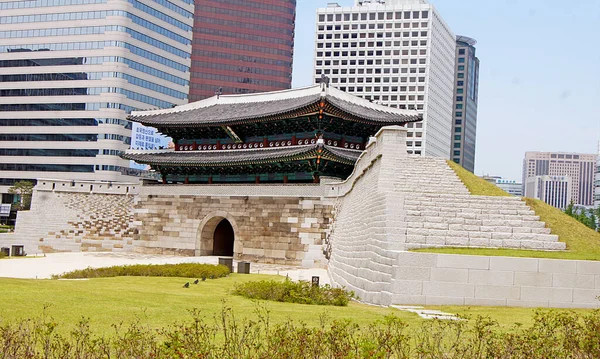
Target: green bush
294, 292
186, 270
2, 255
554, 334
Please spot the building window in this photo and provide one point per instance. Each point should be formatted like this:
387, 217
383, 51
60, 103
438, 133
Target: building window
457, 137
459, 114
457, 145
461, 68
459, 106
458, 129
459, 83
458, 122
457, 153
459, 98
461, 51
461, 60
461, 75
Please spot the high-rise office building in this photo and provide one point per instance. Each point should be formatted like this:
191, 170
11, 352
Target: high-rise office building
242, 46
554, 190
466, 89
71, 71
578, 166
399, 53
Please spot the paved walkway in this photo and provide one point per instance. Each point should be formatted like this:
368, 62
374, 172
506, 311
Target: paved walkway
57, 263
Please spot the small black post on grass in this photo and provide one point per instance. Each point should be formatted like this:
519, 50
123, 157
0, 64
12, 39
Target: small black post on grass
315, 281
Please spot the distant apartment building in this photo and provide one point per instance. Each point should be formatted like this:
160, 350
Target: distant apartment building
578, 166
72, 70
242, 46
466, 92
511, 187
399, 53
554, 190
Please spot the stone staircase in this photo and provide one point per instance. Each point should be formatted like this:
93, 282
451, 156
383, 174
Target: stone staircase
439, 212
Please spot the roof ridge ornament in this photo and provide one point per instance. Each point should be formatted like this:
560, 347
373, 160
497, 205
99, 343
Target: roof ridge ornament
324, 81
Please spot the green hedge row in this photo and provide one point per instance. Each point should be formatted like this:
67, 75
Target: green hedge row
186, 270
294, 292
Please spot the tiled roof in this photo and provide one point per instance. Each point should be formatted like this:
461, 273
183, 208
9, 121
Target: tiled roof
236, 109
241, 157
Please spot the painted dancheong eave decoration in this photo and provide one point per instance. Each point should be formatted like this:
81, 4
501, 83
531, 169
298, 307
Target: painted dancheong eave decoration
285, 136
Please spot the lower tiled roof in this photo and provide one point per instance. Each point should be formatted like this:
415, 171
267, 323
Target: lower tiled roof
243, 156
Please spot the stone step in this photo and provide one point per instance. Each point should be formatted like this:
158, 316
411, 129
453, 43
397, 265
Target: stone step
477, 205
477, 243
491, 220
444, 225
469, 212
464, 235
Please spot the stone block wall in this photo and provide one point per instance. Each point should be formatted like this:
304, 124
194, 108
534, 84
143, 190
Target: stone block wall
282, 230
61, 221
445, 279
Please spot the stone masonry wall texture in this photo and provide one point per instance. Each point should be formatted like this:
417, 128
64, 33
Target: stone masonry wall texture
279, 230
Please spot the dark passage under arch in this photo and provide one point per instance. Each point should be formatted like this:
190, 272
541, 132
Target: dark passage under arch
223, 239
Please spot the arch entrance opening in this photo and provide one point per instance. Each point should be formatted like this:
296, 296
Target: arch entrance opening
223, 238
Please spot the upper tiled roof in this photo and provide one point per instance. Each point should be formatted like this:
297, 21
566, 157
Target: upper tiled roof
238, 109
241, 157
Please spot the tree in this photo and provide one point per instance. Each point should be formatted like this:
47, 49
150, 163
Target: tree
23, 190
569, 209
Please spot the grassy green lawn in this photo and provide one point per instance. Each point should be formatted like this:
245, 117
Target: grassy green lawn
158, 302
582, 242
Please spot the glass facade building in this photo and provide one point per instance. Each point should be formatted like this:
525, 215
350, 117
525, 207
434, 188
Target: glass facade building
242, 46
466, 92
72, 70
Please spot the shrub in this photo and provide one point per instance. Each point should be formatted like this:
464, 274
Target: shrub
2, 255
186, 270
554, 334
294, 292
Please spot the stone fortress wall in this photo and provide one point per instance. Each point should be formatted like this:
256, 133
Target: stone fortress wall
412, 202
77, 216
360, 228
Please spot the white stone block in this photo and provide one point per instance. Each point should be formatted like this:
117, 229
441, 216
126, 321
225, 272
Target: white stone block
514, 264
586, 296
445, 300
532, 279
546, 294
490, 277
443, 289
407, 287
449, 275
497, 292
462, 261
588, 267
417, 259
412, 273
581, 281
457, 241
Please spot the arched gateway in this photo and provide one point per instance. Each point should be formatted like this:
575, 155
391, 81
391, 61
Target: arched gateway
216, 235
223, 238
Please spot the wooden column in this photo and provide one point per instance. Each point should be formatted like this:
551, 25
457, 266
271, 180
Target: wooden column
210, 181
285, 179
257, 179
187, 180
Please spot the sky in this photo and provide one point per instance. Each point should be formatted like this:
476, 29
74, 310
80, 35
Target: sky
539, 82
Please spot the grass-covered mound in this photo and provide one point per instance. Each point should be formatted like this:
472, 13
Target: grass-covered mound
582, 242
301, 292
476, 185
184, 270
551, 335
